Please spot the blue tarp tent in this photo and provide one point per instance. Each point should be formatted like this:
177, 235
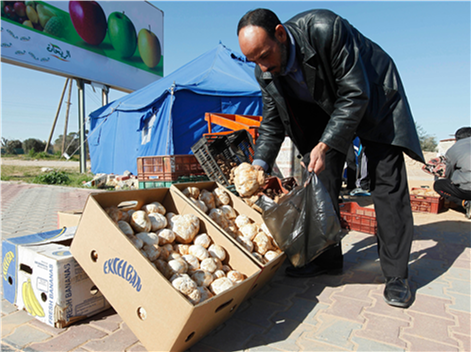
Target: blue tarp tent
167, 116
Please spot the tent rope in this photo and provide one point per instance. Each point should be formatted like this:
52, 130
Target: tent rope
90, 134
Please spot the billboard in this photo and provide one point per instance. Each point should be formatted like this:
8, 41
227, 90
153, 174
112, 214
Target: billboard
115, 43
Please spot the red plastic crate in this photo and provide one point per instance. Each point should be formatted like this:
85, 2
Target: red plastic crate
167, 167
426, 203
356, 218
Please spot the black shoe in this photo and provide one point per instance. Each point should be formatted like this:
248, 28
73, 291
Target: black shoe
397, 292
312, 269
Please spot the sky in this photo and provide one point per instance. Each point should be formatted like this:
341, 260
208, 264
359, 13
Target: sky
429, 42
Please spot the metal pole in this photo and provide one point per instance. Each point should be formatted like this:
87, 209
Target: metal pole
57, 115
81, 111
104, 95
66, 119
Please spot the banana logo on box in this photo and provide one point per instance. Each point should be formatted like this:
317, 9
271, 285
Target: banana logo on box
61, 253
6, 263
32, 304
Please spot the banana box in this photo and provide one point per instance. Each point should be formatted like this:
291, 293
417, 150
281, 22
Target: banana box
42, 277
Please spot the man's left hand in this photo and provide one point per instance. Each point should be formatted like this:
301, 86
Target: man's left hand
317, 163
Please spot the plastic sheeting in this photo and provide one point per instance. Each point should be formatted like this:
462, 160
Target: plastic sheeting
167, 116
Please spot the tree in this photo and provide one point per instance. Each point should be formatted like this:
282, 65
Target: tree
33, 144
428, 143
72, 144
11, 146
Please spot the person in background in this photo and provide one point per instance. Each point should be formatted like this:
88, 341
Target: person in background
456, 186
322, 83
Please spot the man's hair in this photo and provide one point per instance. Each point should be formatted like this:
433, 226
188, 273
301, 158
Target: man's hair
263, 18
463, 132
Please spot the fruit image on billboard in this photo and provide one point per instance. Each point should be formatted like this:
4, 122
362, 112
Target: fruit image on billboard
117, 43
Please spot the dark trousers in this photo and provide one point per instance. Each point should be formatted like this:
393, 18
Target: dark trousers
450, 191
390, 192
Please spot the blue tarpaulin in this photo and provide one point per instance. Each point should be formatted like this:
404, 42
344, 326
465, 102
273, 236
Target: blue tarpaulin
167, 116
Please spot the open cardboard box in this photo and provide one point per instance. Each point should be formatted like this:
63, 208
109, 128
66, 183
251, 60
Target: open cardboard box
268, 269
68, 218
42, 277
160, 316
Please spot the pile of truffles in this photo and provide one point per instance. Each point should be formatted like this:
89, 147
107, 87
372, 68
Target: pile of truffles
252, 236
173, 244
226, 167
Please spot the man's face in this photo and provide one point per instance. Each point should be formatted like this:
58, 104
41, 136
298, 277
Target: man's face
269, 54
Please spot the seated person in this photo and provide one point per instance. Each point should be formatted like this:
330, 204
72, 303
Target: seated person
456, 186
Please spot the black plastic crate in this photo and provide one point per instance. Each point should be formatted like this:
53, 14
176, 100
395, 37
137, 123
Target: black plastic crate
236, 147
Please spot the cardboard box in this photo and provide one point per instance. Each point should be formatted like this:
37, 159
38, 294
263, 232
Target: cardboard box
160, 316
68, 218
41, 276
268, 269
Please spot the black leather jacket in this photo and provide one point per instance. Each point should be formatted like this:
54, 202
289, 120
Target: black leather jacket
351, 78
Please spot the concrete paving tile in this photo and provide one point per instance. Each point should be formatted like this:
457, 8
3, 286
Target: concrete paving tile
7, 307
138, 347
365, 345
311, 346
380, 307
459, 286
419, 344
430, 328
198, 347
457, 273
465, 341
302, 310
435, 288
25, 335
46, 328
347, 308
108, 321
319, 293
383, 329
430, 305
284, 335
7, 348
280, 294
13, 320
461, 302
260, 313
74, 337
463, 322
357, 291
257, 344
461, 263
366, 273
232, 335
119, 340
333, 331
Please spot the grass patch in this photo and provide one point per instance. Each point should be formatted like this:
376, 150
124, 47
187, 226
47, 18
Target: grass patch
33, 174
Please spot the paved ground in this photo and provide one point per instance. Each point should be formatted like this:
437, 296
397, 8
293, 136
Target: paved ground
328, 313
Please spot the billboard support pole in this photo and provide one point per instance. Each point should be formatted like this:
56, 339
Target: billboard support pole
104, 95
81, 125
57, 115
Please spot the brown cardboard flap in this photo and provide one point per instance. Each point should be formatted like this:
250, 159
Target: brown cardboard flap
160, 316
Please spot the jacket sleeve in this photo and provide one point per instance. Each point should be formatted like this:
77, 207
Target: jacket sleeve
272, 131
344, 63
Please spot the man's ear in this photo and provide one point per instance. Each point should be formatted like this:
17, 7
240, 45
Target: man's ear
280, 33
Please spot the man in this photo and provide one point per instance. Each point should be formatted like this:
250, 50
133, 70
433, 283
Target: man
456, 186
323, 83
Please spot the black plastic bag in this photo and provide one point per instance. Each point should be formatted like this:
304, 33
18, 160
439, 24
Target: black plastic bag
304, 223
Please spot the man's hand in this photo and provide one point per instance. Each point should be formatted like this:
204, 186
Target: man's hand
317, 163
